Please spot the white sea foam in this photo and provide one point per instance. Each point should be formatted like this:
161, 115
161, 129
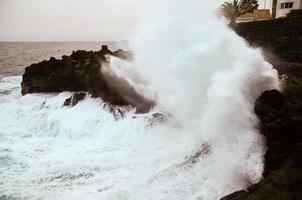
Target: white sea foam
52, 152
197, 70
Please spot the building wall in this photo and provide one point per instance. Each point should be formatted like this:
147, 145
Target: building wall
244, 19
282, 12
281, 38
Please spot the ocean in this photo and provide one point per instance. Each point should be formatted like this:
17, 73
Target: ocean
48, 151
204, 79
15, 56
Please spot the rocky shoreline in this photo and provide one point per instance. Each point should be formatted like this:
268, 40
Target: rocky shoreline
280, 113
82, 71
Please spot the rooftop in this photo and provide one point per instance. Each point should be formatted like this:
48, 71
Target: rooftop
258, 14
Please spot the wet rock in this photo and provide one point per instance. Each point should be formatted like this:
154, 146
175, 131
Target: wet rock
67, 176
82, 71
56, 76
75, 99
144, 107
205, 149
283, 160
156, 119
67, 102
105, 50
118, 112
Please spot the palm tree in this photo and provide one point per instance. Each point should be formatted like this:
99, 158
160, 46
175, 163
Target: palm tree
233, 9
248, 6
274, 9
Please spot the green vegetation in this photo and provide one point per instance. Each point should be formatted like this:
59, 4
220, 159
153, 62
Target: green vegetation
233, 9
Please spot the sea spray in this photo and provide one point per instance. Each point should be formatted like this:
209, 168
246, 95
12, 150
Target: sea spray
196, 69
208, 78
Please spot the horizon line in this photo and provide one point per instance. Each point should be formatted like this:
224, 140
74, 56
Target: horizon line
62, 41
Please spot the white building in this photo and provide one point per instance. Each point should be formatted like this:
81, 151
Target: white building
283, 7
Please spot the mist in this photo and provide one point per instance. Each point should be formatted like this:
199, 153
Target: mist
209, 79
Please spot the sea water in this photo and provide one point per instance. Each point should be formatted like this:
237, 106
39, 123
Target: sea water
204, 78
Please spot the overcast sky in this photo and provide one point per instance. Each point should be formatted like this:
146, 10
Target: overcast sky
70, 20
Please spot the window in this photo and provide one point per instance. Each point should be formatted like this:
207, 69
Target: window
287, 5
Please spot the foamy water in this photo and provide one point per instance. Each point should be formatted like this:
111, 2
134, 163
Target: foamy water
48, 151
51, 152
200, 73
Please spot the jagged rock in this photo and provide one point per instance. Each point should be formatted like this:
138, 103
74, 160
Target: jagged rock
69, 74
82, 71
205, 149
118, 112
156, 119
105, 50
75, 99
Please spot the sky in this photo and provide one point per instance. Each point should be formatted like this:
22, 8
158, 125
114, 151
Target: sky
70, 20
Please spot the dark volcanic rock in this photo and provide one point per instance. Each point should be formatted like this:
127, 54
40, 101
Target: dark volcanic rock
281, 130
82, 71
118, 112
283, 160
75, 98
279, 37
105, 50
73, 73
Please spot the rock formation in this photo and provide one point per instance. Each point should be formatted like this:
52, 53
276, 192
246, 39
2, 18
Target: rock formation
280, 114
280, 39
82, 72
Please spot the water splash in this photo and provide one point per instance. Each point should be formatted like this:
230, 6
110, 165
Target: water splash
209, 78
197, 70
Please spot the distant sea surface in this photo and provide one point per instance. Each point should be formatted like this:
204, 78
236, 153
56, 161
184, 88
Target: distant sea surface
16, 56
